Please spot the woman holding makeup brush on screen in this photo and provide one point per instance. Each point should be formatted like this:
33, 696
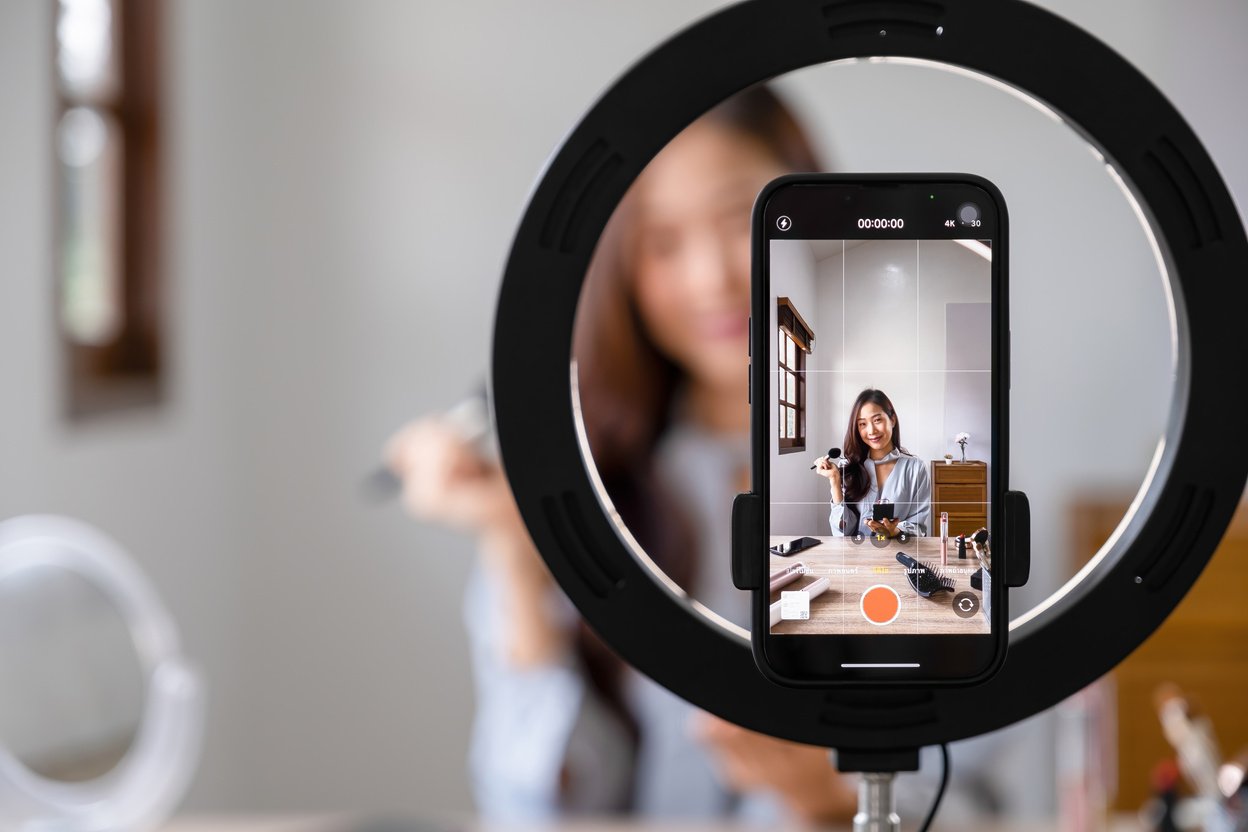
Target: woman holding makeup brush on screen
877, 469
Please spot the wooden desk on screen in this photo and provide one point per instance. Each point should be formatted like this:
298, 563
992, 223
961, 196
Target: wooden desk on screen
853, 568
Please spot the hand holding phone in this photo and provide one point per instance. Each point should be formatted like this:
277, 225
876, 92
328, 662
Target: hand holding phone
880, 512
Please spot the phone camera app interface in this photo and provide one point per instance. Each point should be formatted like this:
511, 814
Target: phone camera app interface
881, 390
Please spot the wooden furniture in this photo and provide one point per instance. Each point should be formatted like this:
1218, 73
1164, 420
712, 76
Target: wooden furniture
960, 488
1202, 647
853, 568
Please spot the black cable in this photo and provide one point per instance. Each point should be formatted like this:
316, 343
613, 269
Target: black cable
940, 792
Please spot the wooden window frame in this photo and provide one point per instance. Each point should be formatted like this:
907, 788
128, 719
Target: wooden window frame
792, 328
127, 370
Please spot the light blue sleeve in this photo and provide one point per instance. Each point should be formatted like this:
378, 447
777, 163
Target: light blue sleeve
835, 516
542, 743
916, 508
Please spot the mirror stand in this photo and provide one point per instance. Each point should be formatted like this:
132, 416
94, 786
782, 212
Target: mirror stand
142, 789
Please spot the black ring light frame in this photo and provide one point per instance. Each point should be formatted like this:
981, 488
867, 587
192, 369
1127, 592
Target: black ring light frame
1176, 521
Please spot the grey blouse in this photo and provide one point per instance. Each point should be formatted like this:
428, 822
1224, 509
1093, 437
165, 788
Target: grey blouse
908, 488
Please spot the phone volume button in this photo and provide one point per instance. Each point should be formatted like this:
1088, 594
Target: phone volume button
749, 388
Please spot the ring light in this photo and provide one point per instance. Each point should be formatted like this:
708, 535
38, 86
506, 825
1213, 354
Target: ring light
1171, 529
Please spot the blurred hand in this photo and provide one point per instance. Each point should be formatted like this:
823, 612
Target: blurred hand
802, 776
447, 481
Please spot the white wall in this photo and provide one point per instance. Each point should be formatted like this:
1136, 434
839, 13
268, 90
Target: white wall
881, 344
345, 181
165, 483
967, 387
829, 431
794, 508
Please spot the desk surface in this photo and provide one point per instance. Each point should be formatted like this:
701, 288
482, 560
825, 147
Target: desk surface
852, 568
245, 823
343, 823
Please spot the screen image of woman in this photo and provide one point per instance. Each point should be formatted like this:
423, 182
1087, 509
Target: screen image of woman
877, 470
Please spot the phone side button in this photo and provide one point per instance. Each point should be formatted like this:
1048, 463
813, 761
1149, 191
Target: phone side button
749, 388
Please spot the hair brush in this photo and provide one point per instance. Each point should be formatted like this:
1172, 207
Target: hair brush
925, 579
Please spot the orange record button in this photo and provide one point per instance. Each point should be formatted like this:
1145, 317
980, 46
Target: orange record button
881, 604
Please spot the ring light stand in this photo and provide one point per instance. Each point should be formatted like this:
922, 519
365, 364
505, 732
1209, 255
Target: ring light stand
1173, 526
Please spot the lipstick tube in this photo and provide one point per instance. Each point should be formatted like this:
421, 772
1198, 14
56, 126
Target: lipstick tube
944, 538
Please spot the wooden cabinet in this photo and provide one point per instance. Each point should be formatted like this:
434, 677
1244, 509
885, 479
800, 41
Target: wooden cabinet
960, 488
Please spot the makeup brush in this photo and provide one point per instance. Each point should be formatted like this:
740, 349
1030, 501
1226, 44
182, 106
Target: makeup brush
833, 453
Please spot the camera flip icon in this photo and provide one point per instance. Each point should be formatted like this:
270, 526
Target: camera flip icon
965, 604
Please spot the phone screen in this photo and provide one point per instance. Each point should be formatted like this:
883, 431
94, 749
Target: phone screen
882, 304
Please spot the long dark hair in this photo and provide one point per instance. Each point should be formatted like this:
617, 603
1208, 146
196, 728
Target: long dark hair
627, 385
854, 476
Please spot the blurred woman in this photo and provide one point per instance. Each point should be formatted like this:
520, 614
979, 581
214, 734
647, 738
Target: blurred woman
661, 343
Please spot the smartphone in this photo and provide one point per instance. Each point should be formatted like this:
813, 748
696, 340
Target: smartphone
792, 547
879, 324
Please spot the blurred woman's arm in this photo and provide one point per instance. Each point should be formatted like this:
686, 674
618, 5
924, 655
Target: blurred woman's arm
447, 481
801, 777
542, 742
836, 518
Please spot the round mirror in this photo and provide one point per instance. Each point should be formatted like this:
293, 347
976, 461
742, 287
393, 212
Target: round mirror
660, 345
100, 717
71, 686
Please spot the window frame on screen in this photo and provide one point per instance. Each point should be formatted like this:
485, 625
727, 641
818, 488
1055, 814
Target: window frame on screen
794, 330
